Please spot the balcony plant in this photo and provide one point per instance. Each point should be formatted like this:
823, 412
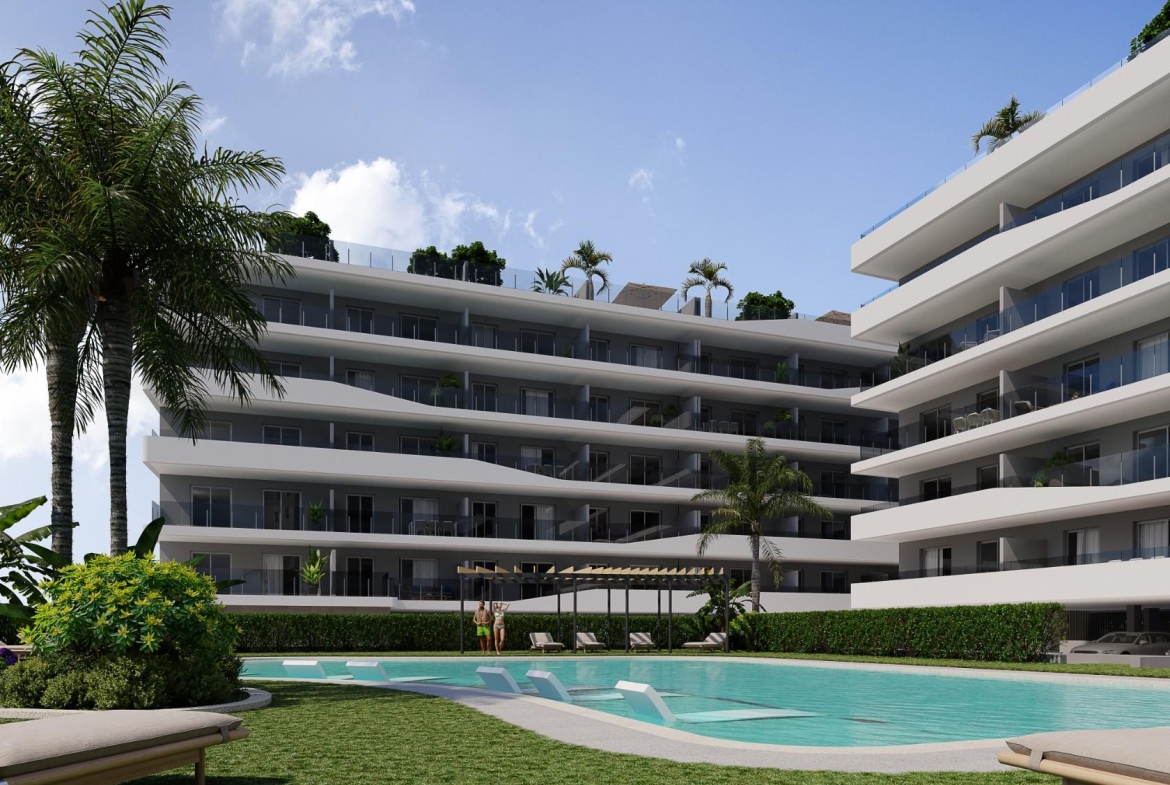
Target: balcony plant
314, 568
669, 413
448, 381
782, 372
316, 513
772, 424
755, 305
1006, 123
551, 282
1042, 479
707, 275
589, 260
446, 444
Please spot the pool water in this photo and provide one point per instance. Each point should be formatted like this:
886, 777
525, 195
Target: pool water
853, 707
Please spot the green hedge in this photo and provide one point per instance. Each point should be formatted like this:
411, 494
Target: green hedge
1000, 633
325, 632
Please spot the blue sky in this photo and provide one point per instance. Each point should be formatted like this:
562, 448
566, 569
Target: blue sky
766, 135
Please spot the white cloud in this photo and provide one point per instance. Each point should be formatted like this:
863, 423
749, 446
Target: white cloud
378, 203
213, 124
530, 230
642, 180
298, 37
680, 145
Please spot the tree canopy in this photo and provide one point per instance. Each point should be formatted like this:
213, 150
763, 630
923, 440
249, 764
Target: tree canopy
1156, 26
765, 306
307, 225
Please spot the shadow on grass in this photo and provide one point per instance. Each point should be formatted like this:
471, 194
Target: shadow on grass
185, 779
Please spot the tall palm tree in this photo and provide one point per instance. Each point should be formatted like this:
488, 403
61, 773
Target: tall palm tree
707, 274
1004, 125
760, 487
588, 260
156, 248
550, 282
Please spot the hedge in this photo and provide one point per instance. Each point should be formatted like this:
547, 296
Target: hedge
1000, 633
328, 632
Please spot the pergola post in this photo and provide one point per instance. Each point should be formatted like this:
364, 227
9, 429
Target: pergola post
608, 615
658, 621
557, 586
669, 618
461, 614
627, 617
574, 611
726, 613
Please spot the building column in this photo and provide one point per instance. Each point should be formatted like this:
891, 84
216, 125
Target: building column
581, 345
465, 327
793, 368
581, 404
692, 410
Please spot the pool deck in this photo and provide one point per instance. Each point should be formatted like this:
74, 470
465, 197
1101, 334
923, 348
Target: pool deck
588, 728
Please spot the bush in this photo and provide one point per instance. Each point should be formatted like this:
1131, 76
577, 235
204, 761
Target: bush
127, 632
999, 633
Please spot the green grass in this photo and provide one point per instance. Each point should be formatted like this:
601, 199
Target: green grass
1037, 667
342, 734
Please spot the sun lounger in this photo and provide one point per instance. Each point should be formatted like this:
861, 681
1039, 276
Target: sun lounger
641, 641
543, 641
715, 640
498, 680
645, 701
304, 669
367, 671
111, 746
549, 686
588, 641
1095, 757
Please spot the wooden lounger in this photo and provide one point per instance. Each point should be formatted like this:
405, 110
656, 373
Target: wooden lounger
1139, 756
105, 747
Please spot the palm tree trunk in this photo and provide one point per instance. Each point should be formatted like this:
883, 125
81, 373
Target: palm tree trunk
588, 287
755, 540
707, 302
117, 365
61, 373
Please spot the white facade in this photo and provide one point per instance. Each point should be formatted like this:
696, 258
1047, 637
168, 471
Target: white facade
1033, 430
429, 423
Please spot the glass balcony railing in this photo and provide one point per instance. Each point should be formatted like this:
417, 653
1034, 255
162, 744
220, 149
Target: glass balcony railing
1118, 274
1100, 557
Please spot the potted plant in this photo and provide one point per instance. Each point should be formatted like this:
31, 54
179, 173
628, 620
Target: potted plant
446, 444
655, 419
449, 381
771, 426
316, 513
670, 412
313, 569
1042, 479
782, 372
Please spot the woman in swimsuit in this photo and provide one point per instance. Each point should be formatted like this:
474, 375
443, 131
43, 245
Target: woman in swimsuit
500, 608
483, 631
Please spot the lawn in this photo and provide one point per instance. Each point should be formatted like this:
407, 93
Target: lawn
344, 734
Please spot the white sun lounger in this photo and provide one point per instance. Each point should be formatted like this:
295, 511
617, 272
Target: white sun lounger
588, 641
713, 641
646, 702
543, 641
498, 680
304, 669
641, 641
367, 671
549, 686
1095, 757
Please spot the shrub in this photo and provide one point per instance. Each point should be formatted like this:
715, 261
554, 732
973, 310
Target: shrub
127, 632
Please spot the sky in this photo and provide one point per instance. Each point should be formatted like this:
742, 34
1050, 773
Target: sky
767, 135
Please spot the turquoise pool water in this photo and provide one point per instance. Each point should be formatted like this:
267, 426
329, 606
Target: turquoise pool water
852, 707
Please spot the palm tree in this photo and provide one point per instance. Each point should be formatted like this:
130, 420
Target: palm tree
551, 282
760, 487
588, 260
1006, 123
155, 247
707, 274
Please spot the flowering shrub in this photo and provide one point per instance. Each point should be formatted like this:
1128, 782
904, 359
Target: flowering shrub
7, 656
126, 632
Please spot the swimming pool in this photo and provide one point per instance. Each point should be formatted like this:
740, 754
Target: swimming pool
851, 707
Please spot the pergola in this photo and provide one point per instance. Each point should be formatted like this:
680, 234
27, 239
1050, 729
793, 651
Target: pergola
609, 577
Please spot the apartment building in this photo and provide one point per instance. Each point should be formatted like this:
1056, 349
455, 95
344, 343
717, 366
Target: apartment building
1031, 385
431, 421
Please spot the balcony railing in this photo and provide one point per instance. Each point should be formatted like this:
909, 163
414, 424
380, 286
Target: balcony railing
1102, 557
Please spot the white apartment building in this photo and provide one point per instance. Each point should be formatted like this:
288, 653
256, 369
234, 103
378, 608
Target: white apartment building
430, 423
1031, 386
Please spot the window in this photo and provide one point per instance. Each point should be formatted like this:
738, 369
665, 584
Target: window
534, 342
363, 442
359, 576
484, 451
420, 328
705, 416
988, 399
936, 561
1085, 468
1082, 546
284, 435
599, 466
288, 370
281, 574
361, 379
419, 445
1152, 356
644, 520
216, 565
987, 477
645, 356
704, 472
359, 513
359, 320
418, 388
599, 408
537, 459
599, 524
218, 431
746, 423
644, 412
599, 350
938, 488
792, 580
834, 432
530, 590
834, 530
483, 519
645, 470
743, 368
1082, 377
485, 336
1152, 448
1153, 538
537, 403
834, 582
282, 311
484, 397
835, 379
417, 512
987, 556
420, 578
935, 424
282, 510
538, 522
211, 506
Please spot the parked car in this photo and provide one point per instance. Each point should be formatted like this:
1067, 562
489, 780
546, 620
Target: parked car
1157, 643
